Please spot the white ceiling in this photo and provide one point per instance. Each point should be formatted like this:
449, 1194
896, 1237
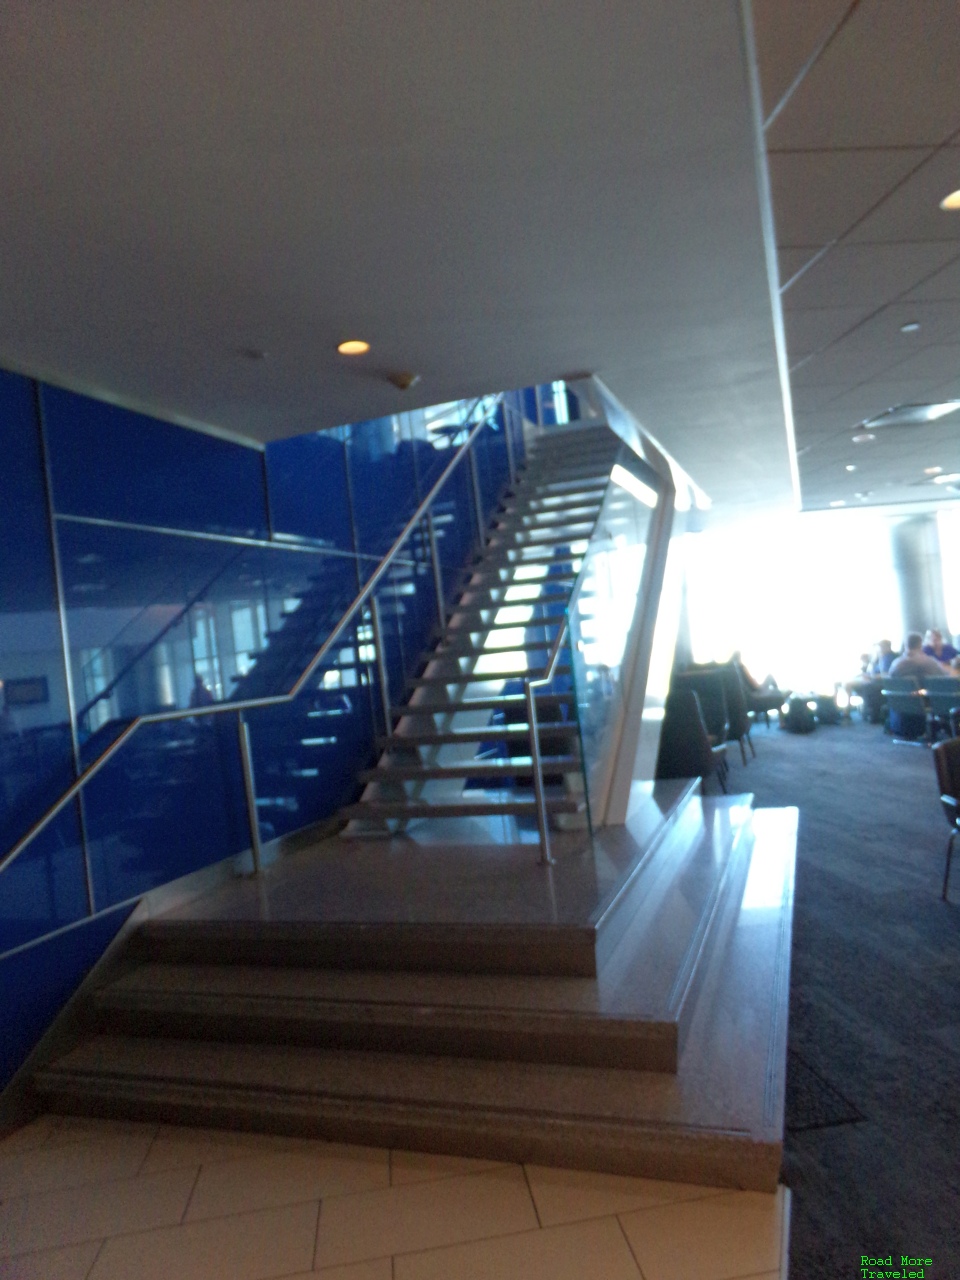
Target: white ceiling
492, 193
863, 138
495, 194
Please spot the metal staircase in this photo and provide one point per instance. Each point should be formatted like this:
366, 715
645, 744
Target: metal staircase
460, 745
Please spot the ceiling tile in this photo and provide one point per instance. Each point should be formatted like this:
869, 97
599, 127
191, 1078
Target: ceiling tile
792, 260
936, 363
850, 275
912, 212
944, 286
787, 35
845, 364
875, 398
815, 329
819, 195
887, 79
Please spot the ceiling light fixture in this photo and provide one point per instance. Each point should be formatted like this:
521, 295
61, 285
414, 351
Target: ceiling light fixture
863, 437
838, 502
851, 466
912, 326
951, 477
951, 202
908, 415
932, 471
353, 347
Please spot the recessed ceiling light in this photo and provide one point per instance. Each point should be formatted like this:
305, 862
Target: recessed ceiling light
838, 502
867, 493
851, 466
863, 437
912, 326
951, 477
932, 471
354, 347
951, 202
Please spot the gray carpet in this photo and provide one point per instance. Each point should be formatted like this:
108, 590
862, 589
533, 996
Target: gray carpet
873, 1089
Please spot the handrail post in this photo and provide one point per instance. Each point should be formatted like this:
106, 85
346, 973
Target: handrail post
437, 575
383, 678
477, 500
508, 433
250, 790
546, 857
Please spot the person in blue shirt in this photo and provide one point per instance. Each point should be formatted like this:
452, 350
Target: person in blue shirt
882, 659
936, 647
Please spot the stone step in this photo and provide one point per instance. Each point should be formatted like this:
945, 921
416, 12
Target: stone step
704, 958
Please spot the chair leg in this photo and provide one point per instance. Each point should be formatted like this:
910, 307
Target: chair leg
743, 750
946, 874
753, 750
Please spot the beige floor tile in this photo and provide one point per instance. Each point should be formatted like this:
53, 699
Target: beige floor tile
72, 1263
73, 1128
593, 1250
374, 1269
52, 1218
569, 1195
267, 1180
424, 1215
29, 1136
724, 1237
97, 1157
250, 1246
420, 1166
179, 1148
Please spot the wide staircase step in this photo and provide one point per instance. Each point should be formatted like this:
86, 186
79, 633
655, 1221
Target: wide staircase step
669, 1062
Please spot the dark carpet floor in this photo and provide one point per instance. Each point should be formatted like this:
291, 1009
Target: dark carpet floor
873, 1089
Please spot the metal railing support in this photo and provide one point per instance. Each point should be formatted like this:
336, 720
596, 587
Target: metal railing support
546, 857
250, 792
437, 574
477, 501
508, 433
383, 678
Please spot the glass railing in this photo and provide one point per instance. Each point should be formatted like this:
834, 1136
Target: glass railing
601, 613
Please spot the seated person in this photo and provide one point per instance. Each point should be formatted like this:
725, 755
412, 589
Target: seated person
762, 696
883, 658
914, 662
935, 646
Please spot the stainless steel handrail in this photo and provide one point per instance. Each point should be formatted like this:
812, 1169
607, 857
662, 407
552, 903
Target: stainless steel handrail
161, 717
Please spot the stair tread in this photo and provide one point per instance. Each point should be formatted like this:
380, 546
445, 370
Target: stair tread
493, 703
486, 733
472, 677
469, 769
459, 808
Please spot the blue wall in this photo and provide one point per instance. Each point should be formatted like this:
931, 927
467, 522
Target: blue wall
145, 567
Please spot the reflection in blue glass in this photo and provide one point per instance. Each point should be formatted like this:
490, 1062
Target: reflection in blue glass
307, 483
36, 983
114, 464
45, 887
159, 622
307, 753
169, 802
383, 483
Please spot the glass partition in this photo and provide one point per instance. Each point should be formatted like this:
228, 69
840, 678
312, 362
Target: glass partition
602, 610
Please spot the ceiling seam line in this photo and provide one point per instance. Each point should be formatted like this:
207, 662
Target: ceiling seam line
809, 64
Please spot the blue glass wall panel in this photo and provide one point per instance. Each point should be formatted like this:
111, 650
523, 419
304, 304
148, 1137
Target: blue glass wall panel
307, 484
119, 465
36, 983
168, 803
383, 483
45, 887
307, 753
455, 524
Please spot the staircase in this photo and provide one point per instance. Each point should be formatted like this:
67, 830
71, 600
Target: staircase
459, 746
622, 1010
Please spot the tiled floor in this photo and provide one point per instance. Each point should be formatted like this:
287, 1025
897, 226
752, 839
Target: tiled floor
102, 1200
